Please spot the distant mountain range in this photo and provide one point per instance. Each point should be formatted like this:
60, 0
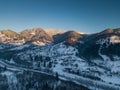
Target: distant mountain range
41, 36
91, 60
38, 36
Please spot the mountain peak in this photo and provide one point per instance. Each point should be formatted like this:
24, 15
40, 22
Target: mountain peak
70, 37
110, 31
53, 32
39, 35
9, 33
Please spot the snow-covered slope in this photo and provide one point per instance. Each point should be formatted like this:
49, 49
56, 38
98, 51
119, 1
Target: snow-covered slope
65, 60
95, 60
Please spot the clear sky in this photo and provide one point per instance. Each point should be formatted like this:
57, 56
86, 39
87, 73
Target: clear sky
80, 15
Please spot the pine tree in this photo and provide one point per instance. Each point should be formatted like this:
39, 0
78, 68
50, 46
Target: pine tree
56, 76
5, 68
50, 64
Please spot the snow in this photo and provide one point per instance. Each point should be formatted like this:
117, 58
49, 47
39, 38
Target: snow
116, 57
58, 68
105, 58
102, 41
82, 42
109, 40
20, 47
115, 66
39, 43
111, 79
7, 73
1, 47
91, 84
12, 61
11, 78
61, 49
64, 56
115, 39
62, 75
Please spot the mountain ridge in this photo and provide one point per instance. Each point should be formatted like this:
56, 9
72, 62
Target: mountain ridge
92, 59
28, 35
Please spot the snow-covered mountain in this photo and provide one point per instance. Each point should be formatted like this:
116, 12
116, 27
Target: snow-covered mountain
91, 60
38, 36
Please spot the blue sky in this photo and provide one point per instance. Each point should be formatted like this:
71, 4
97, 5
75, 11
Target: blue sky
80, 15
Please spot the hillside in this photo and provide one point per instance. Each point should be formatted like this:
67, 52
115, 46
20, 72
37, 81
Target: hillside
90, 60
